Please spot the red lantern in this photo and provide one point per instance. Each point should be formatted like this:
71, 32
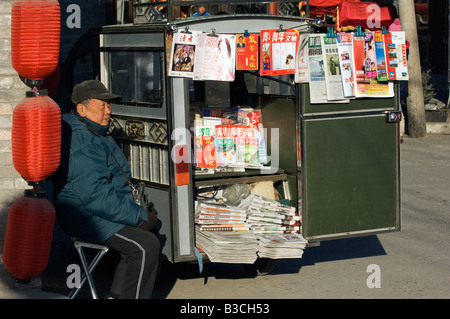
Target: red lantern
35, 37
36, 136
28, 237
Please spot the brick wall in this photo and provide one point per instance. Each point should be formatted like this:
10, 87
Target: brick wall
12, 91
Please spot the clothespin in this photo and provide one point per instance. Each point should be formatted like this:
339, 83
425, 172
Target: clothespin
213, 33
384, 31
246, 34
281, 29
331, 33
358, 31
186, 30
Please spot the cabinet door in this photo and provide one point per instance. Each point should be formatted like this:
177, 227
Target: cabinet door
350, 176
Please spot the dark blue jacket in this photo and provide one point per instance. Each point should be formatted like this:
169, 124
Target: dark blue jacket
96, 200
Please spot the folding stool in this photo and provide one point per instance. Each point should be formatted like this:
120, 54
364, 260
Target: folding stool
88, 267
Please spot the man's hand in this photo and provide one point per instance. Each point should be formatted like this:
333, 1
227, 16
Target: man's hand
152, 215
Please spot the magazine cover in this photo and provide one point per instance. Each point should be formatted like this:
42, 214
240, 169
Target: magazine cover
359, 58
226, 153
247, 48
317, 86
278, 51
396, 55
266, 52
183, 54
370, 62
199, 57
381, 56
302, 69
255, 119
209, 153
284, 51
204, 146
345, 50
219, 57
333, 79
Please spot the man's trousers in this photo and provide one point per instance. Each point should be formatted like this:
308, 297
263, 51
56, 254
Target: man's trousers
135, 275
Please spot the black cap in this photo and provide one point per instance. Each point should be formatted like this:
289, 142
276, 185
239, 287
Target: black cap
92, 89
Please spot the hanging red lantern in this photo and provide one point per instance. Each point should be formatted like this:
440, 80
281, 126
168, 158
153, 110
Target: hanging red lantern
28, 237
36, 136
35, 37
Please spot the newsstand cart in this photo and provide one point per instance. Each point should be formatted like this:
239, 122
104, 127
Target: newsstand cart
337, 164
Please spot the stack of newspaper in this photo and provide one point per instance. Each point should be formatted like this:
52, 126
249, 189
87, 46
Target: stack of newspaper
258, 227
277, 246
213, 217
223, 234
269, 216
228, 247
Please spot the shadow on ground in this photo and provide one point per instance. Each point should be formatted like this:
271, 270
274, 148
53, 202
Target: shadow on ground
63, 254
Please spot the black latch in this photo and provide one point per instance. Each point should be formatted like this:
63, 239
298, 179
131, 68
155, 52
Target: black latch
393, 116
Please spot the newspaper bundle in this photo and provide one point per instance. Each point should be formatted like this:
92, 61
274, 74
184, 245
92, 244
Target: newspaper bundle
276, 246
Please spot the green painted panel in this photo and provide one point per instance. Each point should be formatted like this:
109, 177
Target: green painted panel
350, 172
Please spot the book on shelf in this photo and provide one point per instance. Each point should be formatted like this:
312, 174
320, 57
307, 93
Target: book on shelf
204, 147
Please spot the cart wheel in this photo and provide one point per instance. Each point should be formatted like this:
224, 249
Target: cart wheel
262, 266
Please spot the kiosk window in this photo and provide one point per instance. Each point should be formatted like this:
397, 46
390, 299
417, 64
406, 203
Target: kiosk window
136, 76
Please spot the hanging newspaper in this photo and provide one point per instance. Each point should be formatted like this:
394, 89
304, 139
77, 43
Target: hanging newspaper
219, 57
317, 85
332, 72
278, 51
183, 54
302, 69
396, 55
345, 49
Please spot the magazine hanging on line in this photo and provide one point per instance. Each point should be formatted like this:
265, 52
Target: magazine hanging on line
302, 67
345, 50
219, 57
278, 51
183, 54
332, 70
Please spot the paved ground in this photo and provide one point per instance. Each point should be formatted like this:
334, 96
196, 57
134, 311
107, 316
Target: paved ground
413, 263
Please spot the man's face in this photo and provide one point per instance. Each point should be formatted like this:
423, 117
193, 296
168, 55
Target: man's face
98, 111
